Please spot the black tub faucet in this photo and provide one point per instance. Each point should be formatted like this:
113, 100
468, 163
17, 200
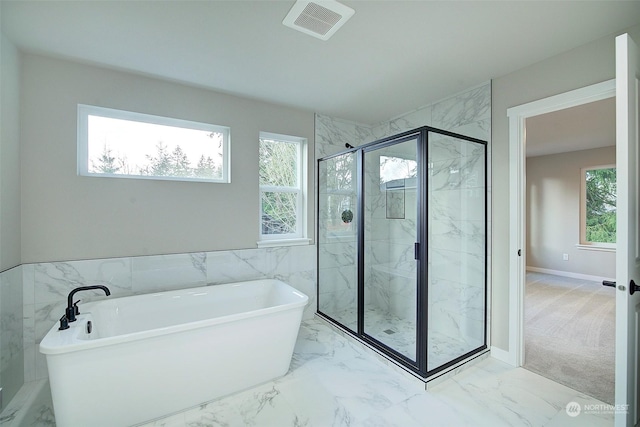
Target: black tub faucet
72, 308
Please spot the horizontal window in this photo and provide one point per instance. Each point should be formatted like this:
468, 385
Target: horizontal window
124, 144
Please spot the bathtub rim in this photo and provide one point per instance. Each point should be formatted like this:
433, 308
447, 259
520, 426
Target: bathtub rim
68, 341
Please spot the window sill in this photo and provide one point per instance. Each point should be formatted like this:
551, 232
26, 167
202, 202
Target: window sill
595, 247
283, 242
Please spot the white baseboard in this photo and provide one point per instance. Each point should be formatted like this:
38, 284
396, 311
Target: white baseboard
501, 355
569, 274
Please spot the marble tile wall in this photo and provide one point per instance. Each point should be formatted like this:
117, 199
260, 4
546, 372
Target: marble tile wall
11, 333
331, 135
46, 285
457, 242
458, 237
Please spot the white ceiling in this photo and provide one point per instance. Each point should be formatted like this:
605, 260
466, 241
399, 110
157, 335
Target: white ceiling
390, 58
583, 127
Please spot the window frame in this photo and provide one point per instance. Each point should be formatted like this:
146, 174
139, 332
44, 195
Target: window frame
300, 235
584, 243
84, 111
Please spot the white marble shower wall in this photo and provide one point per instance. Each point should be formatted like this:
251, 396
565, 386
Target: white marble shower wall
337, 281
331, 135
458, 236
11, 333
457, 239
46, 285
457, 243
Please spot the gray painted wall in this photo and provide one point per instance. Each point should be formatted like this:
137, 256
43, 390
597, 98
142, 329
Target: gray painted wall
67, 217
11, 297
9, 156
580, 67
553, 213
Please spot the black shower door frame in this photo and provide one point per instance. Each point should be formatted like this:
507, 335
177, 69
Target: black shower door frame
419, 366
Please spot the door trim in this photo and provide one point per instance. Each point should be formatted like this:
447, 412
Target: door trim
517, 194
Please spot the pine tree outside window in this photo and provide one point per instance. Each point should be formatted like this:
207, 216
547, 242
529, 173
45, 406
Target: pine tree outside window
123, 144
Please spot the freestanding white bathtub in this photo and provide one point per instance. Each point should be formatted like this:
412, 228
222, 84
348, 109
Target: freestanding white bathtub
151, 355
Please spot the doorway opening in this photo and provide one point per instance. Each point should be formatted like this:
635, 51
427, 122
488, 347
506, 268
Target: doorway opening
570, 209
518, 243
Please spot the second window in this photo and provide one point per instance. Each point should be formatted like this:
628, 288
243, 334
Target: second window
282, 184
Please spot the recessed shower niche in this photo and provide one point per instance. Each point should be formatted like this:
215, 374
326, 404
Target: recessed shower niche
402, 249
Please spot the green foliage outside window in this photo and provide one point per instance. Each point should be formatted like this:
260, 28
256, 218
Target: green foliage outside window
279, 171
601, 205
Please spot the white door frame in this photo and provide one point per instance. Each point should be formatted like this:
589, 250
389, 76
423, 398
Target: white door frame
517, 194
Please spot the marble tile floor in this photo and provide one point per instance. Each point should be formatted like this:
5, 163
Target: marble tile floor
30, 407
400, 334
334, 382
393, 331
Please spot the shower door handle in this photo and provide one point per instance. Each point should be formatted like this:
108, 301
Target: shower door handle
416, 250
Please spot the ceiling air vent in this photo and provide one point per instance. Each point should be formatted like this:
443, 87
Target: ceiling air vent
318, 19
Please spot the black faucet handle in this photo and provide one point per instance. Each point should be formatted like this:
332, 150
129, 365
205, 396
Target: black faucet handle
76, 310
64, 323
70, 313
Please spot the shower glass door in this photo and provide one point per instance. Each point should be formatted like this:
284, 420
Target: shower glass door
337, 239
390, 233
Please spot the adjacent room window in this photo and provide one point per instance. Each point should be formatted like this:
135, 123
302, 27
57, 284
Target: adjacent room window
116, 143
282, 187
394, 168
598, 210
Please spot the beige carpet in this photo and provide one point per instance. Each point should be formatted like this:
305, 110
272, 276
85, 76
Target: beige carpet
570, 333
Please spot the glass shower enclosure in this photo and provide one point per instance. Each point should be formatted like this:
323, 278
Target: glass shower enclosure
402, 246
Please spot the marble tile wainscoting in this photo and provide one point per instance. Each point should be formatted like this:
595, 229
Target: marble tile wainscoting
46, 285
11, 334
